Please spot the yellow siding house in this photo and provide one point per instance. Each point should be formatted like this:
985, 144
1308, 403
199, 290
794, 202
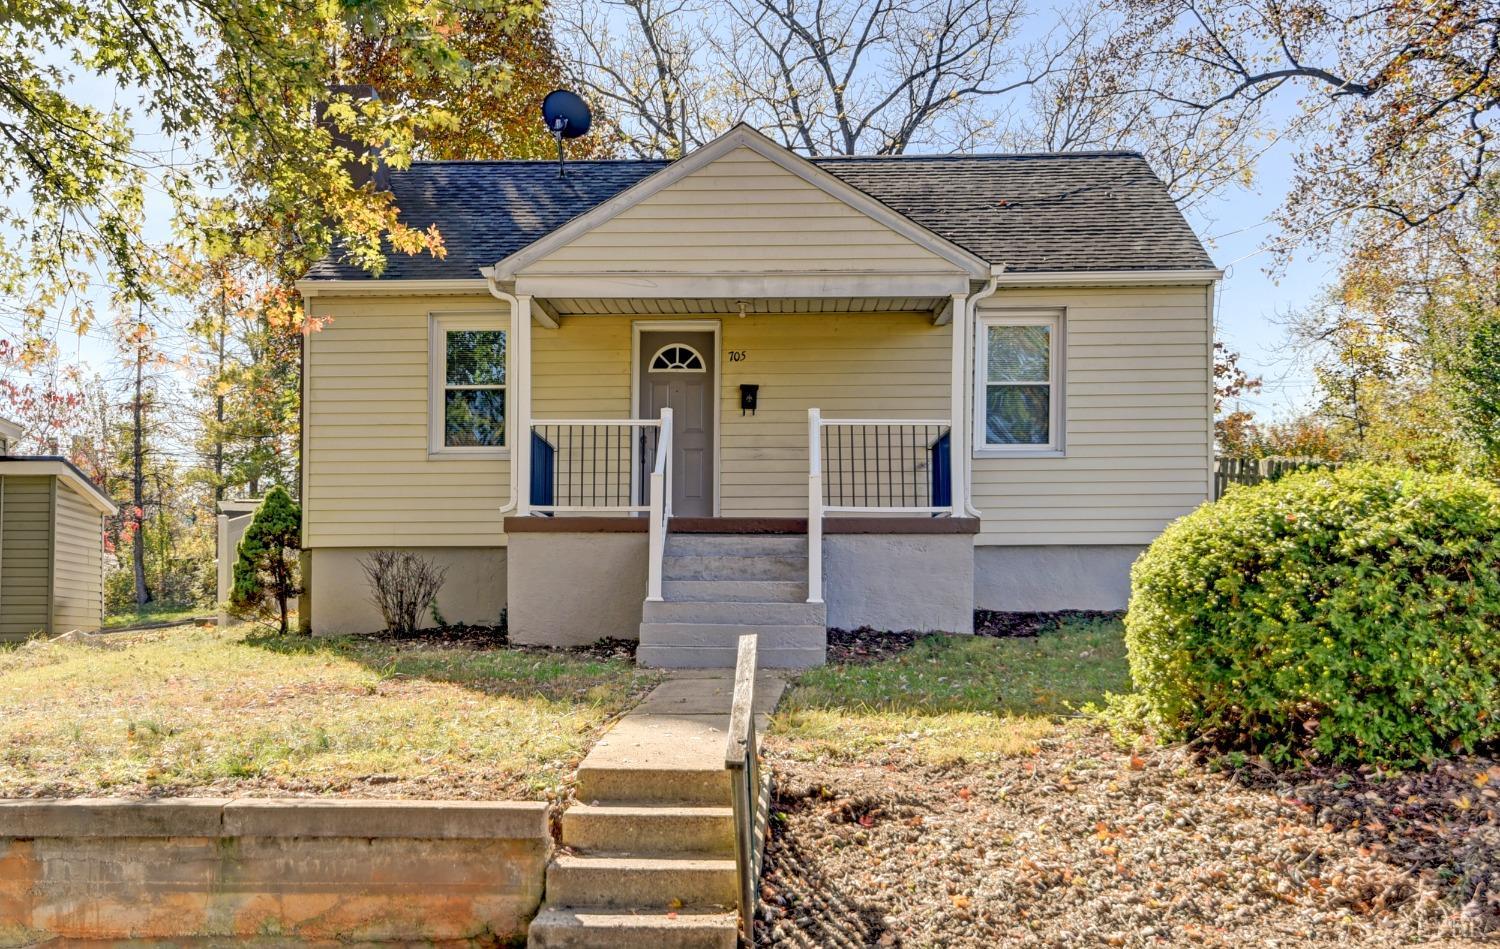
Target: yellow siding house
748, 391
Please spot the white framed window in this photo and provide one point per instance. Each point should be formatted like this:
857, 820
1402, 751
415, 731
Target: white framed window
1017, 387
677, 357
470, 372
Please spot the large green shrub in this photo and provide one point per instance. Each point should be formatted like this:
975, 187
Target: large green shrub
1348, 616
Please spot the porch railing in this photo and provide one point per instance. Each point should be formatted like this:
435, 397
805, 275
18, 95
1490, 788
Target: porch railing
749, 794
591, 465
873, 466
661, 507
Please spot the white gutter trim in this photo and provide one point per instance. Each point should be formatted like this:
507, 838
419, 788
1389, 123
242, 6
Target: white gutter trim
390, 286
1105, 278
971, 351
515, 457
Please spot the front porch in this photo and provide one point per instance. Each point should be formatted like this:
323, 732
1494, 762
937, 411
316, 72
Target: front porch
688, 470
740, 335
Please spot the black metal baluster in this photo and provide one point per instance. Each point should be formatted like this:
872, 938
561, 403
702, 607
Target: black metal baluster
890, 471
932, 474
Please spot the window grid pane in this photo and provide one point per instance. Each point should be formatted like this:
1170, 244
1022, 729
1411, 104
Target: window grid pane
1018, 415
474, 389
476, 357
474, 418
1019, 353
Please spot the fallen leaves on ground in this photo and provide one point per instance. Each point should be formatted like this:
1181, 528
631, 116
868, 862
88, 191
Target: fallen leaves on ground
1083, 844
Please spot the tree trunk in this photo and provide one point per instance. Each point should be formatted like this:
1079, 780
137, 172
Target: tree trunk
138, 482
219, 399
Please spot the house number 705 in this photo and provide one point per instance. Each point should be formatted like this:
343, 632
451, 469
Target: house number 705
736, 355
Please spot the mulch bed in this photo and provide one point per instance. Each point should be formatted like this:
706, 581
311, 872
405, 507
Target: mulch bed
863, 645
1003, 624
495, 637
1087, 845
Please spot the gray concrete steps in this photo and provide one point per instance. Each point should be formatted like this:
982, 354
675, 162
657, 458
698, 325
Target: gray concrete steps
717, 587
777, 636
734, 567
743, 613
680, 785
648, 850
722, 657
640, 827
736, 545
734, 591
606, 928
659, 881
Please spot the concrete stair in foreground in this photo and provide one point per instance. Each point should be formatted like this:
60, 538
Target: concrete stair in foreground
648, 850
718, 587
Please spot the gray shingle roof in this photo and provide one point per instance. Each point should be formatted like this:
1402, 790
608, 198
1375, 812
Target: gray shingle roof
1033, 213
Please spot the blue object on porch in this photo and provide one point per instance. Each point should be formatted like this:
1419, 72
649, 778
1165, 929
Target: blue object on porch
543, 465
942, 471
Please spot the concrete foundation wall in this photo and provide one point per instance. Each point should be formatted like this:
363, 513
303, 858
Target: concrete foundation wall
298, 870
473, 590
1044, 578
900, 581
572, 589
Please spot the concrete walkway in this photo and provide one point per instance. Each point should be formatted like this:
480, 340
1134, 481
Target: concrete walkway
648, 850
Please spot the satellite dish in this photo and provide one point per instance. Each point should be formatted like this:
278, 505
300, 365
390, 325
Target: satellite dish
566, 115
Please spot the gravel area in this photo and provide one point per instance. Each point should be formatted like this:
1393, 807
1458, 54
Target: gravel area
1083, 844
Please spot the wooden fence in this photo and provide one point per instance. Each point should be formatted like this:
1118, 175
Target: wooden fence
1229, 471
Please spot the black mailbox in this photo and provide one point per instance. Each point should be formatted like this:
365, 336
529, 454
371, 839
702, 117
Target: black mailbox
748, 395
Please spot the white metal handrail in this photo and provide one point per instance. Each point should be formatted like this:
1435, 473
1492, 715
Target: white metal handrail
626, 462
661, 507
911, 458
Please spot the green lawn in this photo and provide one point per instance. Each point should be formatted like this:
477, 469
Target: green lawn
204, 711
954, 697
152, 613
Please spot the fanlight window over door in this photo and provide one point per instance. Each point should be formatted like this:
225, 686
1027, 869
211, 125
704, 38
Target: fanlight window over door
677, 357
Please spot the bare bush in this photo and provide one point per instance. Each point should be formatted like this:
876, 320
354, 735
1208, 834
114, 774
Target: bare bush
403, 585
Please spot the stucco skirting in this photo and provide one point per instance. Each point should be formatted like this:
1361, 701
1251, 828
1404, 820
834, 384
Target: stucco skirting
300, 870
900, 581
1045, 578
572, 589
473, 589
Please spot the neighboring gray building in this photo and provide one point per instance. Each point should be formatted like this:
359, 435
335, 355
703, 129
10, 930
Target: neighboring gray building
51, 544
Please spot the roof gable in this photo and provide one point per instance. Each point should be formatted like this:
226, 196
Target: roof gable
1065, 213
741, 204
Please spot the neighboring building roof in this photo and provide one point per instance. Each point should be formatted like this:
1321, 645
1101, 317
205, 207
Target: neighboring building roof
59, 467
9, 431
1067, 212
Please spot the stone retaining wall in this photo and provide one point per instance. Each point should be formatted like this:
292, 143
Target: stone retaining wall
303, 869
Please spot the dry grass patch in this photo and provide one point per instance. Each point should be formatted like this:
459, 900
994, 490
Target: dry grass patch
203, 711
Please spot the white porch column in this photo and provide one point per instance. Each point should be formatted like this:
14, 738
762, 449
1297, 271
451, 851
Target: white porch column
520, 386
959, 412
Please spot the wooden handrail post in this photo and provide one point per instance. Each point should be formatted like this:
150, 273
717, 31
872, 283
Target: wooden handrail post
742, 762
